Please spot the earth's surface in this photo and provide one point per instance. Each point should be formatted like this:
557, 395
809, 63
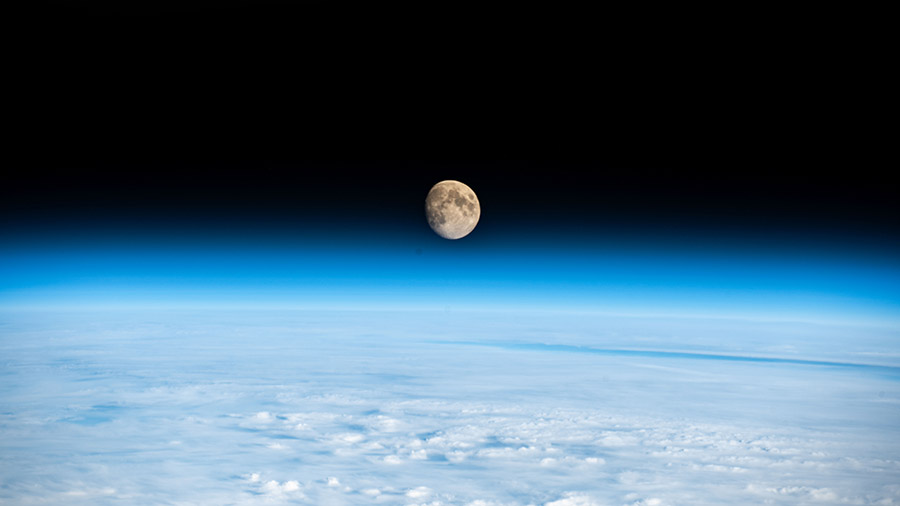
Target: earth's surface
443, 408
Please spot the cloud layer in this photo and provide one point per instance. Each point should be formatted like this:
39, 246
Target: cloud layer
377, 409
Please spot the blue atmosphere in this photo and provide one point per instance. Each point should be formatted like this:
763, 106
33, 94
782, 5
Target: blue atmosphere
344, 273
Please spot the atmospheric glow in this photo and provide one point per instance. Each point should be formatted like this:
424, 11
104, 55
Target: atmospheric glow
806, 287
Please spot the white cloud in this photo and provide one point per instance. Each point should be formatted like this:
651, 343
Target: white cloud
419, 493
652, 501
263, 416
573, 499
91, 492
799, 492
272, 486
350, 437
276, 488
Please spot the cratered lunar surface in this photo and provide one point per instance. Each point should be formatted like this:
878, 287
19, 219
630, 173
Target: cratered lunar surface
452, 209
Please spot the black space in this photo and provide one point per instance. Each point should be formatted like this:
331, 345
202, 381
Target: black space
232, 115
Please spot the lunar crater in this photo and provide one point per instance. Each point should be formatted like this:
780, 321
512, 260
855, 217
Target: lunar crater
452, 209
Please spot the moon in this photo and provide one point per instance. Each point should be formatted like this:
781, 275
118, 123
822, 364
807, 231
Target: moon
452, 209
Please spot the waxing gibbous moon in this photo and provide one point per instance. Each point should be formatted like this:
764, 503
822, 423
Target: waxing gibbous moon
452, 209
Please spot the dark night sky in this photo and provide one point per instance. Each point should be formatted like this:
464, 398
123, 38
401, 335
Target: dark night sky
206, 116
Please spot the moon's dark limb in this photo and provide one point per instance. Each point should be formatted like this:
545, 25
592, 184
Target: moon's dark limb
452, 209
